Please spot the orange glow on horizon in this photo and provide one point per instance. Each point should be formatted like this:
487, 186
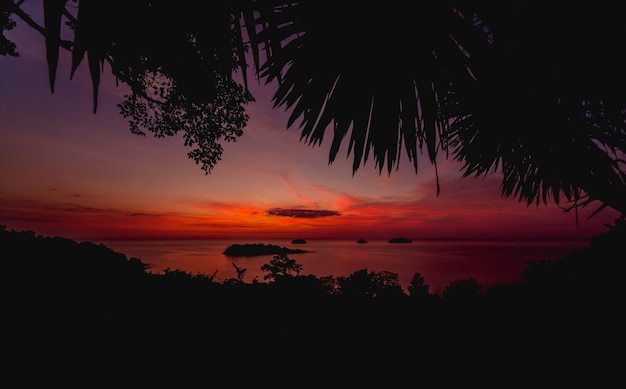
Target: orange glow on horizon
220, 220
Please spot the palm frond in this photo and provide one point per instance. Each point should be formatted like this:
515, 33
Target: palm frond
53, 13
383, 73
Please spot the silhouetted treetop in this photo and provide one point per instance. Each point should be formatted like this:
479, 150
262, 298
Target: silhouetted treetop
179, 63
6, 24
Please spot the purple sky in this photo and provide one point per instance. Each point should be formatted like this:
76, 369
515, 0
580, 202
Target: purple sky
68, 172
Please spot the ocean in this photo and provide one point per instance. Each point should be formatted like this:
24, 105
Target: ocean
438, 261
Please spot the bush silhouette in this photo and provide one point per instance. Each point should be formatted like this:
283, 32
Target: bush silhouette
68, 295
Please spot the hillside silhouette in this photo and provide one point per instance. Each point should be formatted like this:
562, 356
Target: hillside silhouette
87, 307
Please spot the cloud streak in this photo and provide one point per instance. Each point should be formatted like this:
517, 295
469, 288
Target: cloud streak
302, 213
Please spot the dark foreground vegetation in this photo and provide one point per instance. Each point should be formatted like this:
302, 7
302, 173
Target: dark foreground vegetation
82, 312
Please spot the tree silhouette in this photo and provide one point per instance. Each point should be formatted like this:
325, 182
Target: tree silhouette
180, 75
241, 272
370, 284
418, 286
6, 24
280, 266
528, 89
462, 290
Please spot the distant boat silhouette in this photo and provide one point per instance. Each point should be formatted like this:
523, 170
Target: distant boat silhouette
400, 240
298, 241
361, 241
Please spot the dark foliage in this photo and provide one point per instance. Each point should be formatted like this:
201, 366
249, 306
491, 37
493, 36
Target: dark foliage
179, 63
6, 24
280, 267
533, 90
418, 287
110, 318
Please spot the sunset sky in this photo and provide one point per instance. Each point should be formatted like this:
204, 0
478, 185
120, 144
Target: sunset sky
69, 172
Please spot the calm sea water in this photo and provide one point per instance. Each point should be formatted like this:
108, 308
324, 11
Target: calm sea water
439, 262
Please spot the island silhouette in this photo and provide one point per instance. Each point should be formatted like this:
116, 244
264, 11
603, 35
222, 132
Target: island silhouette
400, 240
254, 249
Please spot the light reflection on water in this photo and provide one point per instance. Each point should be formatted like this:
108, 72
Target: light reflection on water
438, 261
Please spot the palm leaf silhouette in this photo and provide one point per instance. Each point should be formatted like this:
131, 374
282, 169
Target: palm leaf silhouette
383, 74
530, 89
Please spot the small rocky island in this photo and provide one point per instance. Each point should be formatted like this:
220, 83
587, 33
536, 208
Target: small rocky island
254, 249
400, 240
298, 241
361, 241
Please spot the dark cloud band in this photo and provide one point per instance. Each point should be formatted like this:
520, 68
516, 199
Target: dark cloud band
302, 213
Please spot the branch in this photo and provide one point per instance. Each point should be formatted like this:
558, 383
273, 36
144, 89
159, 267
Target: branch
26, 18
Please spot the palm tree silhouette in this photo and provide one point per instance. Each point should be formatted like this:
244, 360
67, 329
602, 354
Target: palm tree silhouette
532, 89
